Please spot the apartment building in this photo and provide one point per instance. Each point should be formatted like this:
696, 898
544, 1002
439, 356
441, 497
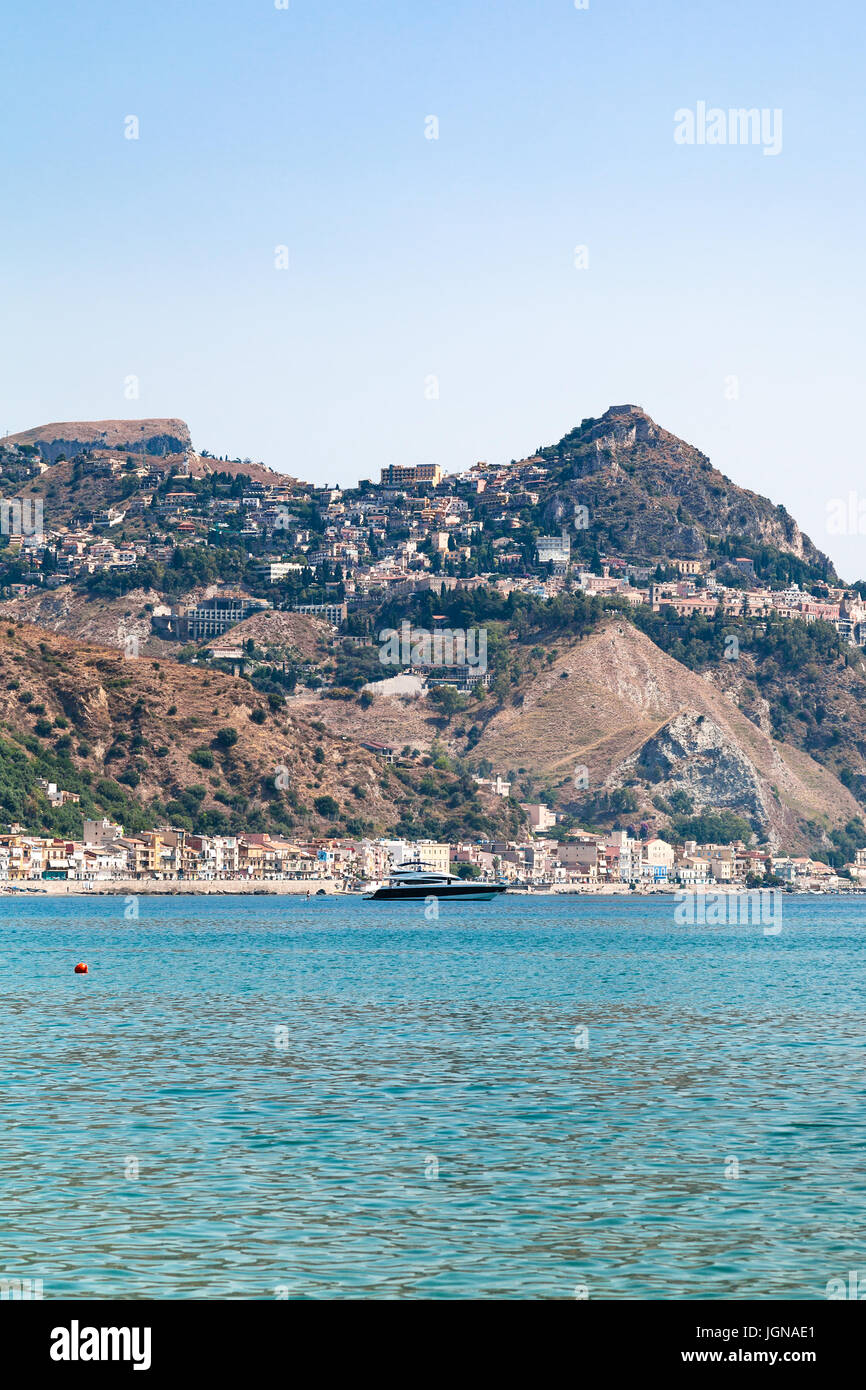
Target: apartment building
214, 616
101, 832
397, 475
585, 858
264, 856
429, 852
540, 817
335, 613
555, 550
657, 860
272, 571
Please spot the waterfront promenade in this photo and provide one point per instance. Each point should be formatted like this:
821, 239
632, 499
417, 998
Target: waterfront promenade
136, 887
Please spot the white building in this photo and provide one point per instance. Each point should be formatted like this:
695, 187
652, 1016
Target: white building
226, 856
271, 572
431, 854
496, 784
541, 818
629, 857
99, 862
555, 550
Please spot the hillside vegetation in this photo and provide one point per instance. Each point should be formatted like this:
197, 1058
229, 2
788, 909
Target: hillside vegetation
148, 741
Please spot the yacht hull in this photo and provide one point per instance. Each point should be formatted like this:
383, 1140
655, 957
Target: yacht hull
453, 892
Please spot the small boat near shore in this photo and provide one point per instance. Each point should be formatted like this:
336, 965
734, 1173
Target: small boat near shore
418, 880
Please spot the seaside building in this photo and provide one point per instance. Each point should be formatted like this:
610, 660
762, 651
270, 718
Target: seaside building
437, 856
657, 860
540, 817
101, 832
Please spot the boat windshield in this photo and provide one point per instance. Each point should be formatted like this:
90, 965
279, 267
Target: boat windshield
420, 871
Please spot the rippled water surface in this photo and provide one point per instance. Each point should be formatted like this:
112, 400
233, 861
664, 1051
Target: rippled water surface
425, 1126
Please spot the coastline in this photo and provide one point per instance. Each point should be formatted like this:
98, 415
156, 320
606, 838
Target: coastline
127, 888
329, 887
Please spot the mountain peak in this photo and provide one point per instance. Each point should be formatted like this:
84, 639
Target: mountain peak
620, 424
615, 410
651, 494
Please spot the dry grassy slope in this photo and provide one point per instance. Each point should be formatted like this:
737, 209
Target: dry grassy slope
65, 495
96, 689
604, 697
201, 467
65, 498
310, 638
390, 719
109, 622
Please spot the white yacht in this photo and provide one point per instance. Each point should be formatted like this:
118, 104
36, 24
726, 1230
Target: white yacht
419, 880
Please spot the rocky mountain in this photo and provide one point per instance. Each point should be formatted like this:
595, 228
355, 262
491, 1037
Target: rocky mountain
155, 437
77, 481
612, 730
663, 727
633, 717
651, 495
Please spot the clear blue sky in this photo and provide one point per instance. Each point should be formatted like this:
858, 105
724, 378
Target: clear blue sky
453, 257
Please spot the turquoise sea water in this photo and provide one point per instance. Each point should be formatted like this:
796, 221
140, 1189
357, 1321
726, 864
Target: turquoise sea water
425, 1125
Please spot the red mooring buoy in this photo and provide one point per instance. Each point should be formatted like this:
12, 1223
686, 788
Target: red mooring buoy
81, 968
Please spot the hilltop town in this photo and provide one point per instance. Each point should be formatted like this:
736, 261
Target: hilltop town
334, 553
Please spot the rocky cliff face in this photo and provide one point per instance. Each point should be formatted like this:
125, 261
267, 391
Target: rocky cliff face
155, 437
616, 706
693, 754
650, 494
